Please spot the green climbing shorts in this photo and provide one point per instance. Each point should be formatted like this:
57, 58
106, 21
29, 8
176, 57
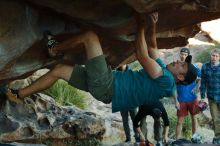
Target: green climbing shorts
94, 77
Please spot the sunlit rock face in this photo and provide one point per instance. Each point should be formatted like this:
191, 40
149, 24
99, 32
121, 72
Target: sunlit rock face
212, 28
22, 49
40, 118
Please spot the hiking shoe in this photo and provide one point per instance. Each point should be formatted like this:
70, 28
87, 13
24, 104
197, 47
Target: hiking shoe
216, 140
13, 96
51, 43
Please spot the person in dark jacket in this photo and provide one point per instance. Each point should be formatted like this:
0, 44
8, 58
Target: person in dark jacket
157, 111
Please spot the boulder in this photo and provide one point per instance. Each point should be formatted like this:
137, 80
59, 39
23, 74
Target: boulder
22, 49
40, 120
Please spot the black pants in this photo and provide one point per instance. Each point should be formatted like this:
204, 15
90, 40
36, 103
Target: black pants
125, 120
157, 129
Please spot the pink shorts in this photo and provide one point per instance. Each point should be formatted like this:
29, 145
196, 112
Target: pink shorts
185, 107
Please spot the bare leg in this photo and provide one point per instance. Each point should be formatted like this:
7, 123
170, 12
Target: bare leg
90, 41
59, 72
143, 126
157, 130
142, 138
194, 123
93, 49
179, 127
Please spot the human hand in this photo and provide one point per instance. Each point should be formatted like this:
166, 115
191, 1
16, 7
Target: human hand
142, 18
195, 91
165, 140
154, 17
203, 100
203, 105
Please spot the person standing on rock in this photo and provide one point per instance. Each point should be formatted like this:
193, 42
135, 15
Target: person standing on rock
186, 99
126, 90
210, 88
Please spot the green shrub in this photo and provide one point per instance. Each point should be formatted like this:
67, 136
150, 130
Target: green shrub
204, 56
65, 94
90, 142
72, 142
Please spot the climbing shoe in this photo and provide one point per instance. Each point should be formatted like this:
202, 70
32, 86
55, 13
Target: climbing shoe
51, 42
49, 39
13, 96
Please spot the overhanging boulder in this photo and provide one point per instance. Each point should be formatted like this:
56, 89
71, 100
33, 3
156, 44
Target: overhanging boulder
23, 22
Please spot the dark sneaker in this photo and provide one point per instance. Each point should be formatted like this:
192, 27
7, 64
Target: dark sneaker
51, 43
159, 143
216, 140
49, 39
127, 140
13, 96
137, 137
